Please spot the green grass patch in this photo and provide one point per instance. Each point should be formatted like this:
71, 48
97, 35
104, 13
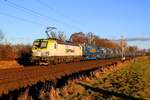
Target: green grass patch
132, 81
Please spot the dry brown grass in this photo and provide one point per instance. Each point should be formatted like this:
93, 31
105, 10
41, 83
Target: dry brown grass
9, 64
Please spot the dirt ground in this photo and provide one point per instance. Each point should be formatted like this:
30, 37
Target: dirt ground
9, 64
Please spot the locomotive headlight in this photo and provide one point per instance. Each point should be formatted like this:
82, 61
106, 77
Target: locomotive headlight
36, 53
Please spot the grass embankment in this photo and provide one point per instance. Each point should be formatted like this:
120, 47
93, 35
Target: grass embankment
130, 82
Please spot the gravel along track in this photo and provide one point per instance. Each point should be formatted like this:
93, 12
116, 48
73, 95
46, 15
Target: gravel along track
11, 79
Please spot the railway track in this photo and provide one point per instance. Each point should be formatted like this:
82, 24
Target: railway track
11, 79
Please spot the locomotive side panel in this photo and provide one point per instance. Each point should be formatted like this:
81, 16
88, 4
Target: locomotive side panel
54, 52
68, 50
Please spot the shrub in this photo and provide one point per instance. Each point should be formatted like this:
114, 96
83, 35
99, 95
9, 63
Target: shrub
23, 53
7, 52
20, 52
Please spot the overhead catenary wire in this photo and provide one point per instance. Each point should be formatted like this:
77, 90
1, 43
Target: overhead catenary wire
28, 11
56, 11
35, 13
12, 5
21, 19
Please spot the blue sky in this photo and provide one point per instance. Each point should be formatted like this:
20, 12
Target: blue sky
106, 18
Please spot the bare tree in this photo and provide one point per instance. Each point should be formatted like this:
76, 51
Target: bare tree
1, 35
78, 38
90, 37
61, 36
53, 34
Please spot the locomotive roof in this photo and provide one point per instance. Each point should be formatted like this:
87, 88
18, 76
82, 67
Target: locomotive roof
60, 41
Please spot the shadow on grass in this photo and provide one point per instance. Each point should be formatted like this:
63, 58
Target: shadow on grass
108, 92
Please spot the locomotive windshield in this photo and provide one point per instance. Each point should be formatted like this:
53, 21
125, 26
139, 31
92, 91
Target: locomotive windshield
40, 44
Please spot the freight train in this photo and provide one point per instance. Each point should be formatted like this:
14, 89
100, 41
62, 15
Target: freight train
54, 51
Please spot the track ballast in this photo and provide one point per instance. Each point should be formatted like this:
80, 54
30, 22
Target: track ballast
11, 79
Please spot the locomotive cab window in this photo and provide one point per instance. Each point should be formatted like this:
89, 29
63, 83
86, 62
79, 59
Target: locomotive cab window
43, 44
36, 44
40, 44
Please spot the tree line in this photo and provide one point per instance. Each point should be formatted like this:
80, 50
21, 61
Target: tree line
21, 51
